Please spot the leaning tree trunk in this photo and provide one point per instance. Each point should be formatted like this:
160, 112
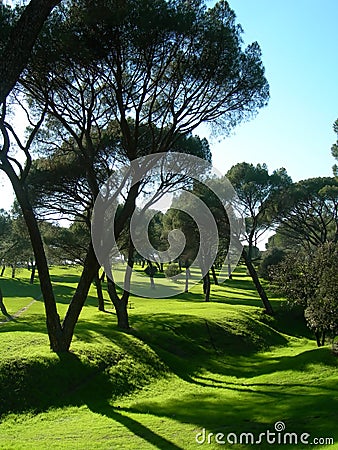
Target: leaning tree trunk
2, 305
214, 276
55, 332
3, 270
120, 304
259, 287
90, 268
21, 41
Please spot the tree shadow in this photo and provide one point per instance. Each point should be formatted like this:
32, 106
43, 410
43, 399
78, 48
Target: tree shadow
134, 426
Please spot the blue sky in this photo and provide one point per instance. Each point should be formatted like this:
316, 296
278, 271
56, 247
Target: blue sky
299, 40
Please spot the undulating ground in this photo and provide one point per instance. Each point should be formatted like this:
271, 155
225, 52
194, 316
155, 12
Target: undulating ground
188, 375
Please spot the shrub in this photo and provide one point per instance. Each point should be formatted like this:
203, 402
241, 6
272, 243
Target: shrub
172, 270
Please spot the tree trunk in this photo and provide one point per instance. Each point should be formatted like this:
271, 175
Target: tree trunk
13, 269
2, 305
21, 41
3, 270
99, 292
214, 276
120, 305
229, 267
55, 333
206, 287
31, 281
317, 334
187, 276
103, 276
323, 337
259, 287
90, 269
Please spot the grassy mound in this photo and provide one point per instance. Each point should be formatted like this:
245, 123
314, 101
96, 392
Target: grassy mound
185, 365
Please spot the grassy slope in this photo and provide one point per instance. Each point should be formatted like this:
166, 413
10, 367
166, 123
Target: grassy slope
185, 366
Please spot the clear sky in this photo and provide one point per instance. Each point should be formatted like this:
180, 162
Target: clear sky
299, 41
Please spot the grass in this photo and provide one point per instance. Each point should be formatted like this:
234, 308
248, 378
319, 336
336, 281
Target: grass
186, 366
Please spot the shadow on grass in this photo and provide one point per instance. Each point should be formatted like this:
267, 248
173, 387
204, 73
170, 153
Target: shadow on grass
93, 377
134, 426
12, 287
189, 348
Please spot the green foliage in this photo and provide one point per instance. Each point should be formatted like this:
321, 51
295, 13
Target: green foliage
270, 258
150, 270
258, 193
308, 211
311, 281
334, 149
172, 270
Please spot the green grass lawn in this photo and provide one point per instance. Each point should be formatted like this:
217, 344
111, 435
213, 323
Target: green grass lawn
186, 366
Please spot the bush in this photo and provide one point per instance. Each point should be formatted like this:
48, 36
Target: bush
270, 258
310, 280
172, 270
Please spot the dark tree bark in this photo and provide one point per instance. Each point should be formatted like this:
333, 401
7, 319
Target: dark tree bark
2, 305
214, 276
90, 268
150, 271
259, 287
187, 276
206, 287
17, 52
13, 269
121, 303
323, 337
229, 268
99, 292
31, 281
3, 270
317, 334
55, 333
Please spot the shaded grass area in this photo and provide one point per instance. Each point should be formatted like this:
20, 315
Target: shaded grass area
186, 365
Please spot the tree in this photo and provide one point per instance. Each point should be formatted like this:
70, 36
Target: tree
198, 231
308, 212
257, 191
2, 305
153, 65
270, 258
17, 49
310, 280
15, 246
334, 149
5, 242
